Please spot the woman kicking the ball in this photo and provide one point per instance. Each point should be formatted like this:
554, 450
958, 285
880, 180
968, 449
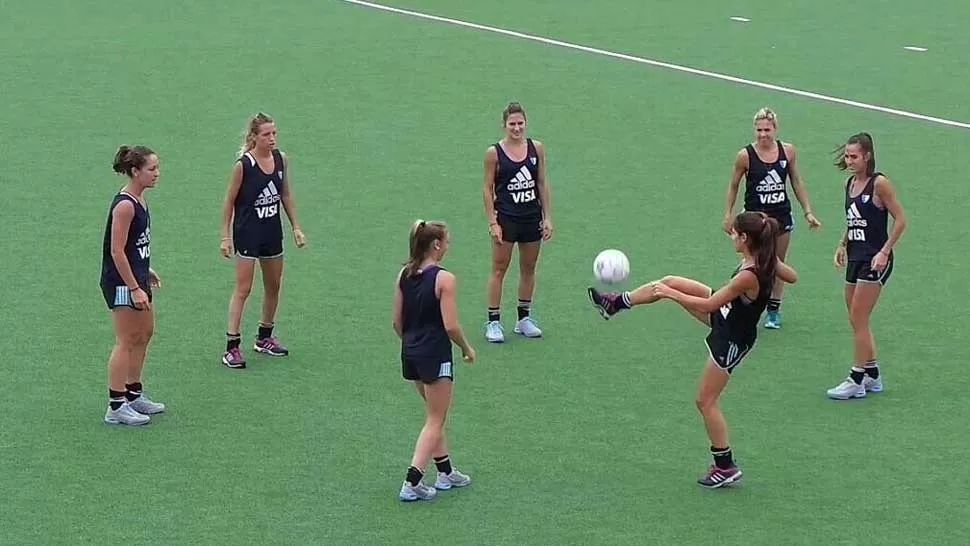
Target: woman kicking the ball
732, 313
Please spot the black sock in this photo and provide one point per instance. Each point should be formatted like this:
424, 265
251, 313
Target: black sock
132, 391
443, 463
722, 457
116, 399
232, 341
265, 330
857, 374
872, 369
493, 314
414, 475
774, 304
623, 302
524, 308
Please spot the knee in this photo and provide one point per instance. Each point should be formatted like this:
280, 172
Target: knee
705, 404
527, 267
858, 323
499, 267
243, 289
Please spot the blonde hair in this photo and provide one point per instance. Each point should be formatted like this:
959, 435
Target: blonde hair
423, 234
766, 114
251, 130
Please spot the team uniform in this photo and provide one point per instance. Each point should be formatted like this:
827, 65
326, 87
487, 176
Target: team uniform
426, 350
867, 230
518, 209
257, 229
734, 327
766, 188
137, 251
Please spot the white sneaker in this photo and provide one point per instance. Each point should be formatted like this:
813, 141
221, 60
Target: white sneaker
846, 390
872, 385
146, 406
455, 479
421, 491
125, 416
494, 332
527, 327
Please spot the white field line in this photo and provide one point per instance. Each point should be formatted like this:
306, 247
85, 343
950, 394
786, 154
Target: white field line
661, 64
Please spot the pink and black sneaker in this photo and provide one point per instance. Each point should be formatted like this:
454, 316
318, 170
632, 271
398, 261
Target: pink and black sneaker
718, 477
270, 346
607, 303
233, 358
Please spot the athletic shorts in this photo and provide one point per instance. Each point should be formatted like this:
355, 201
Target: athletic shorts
427, 370
785, 220
725, 353
120, 296
860, 271
253, 247
518, 231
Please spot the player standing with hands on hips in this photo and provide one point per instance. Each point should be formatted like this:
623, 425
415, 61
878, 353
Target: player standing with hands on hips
258, 185
127, 280
424, 315
866, 252
766, 164
517, 208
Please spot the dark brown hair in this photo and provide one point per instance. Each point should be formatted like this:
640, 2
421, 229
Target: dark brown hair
762, 232
129, 158
865, 141
512, 108
423, 235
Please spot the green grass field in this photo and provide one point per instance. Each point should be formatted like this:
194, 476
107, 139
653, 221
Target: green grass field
588, 436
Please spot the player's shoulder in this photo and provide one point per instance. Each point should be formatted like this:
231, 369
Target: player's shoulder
788, 147
538, 144
492, 151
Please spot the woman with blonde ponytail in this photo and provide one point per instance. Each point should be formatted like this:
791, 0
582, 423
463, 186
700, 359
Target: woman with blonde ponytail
258, 185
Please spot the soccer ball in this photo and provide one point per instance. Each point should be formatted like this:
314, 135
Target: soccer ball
611, 266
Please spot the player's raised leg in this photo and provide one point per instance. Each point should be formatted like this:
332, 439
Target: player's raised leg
611, 303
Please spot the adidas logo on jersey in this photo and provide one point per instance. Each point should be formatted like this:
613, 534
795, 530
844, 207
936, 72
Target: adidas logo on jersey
522, 187
854, 223
267, 205
771, 190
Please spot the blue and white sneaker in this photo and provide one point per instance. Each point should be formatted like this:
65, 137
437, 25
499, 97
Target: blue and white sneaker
494, 333
847, 390
872, 385
411, 493
527, 327
125, 416
773, 321
455, 479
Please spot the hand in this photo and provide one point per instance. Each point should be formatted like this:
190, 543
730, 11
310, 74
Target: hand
546, 229
879, 261
661, 290
153, 279
839, 258
813, 222
299, 238
727, 224
495, 231
225, 247
139, 300
468, 354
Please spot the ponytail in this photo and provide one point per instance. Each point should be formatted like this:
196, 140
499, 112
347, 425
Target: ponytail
423, 235
762, 233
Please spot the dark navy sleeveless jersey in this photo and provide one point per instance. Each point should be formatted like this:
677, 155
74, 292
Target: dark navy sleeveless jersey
257, 206
867, 226
137, 244
738, 319
516, 195
424, 335
765, 188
